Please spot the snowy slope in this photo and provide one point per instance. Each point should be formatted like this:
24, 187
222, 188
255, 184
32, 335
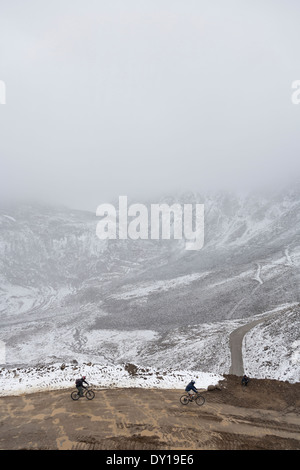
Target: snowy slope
272, 349
65, 295
57, 376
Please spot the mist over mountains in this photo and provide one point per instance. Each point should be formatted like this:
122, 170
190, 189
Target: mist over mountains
65, 294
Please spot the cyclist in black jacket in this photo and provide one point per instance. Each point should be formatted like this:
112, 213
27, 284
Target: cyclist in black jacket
80, 386
245, 380
191, 389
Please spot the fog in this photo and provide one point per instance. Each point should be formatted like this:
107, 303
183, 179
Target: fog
139, 98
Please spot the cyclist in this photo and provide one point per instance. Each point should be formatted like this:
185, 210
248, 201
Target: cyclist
245, 380
191, 389
79, 385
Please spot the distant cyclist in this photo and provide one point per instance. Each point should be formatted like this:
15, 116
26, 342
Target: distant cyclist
79, 385
191, 389
245, 380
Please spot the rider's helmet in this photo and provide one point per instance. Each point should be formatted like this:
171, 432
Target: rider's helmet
193, 381
84, 377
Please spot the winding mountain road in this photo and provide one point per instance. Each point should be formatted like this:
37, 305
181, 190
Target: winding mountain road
236, 344
236, 337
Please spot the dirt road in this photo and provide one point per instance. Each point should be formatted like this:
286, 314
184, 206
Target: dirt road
236, 344
264, 415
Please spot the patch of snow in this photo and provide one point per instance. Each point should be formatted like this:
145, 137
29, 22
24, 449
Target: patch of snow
57, 376
272, 349
146, 288
9, 217
258, 273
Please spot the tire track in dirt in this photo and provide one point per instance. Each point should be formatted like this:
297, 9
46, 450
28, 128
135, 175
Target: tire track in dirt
149, 419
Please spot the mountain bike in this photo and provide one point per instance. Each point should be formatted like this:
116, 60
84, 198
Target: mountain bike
87, 393
197, 398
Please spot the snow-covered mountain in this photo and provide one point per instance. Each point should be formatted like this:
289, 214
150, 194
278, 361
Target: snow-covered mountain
65, 294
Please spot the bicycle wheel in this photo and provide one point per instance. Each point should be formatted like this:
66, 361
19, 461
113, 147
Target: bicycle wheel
75, 395
90, 394
184, 399
200, 400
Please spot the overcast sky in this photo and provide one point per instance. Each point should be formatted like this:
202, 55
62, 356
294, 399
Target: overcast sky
142, 97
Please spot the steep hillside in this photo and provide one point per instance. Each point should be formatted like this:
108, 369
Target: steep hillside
65, 294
